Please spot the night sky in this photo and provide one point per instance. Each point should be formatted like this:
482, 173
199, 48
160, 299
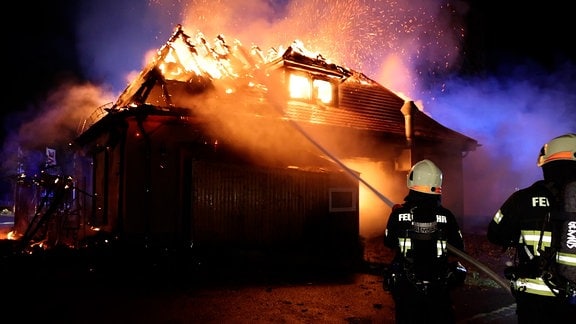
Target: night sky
44, 52
40, 50
43, 47
505, 37
514, 82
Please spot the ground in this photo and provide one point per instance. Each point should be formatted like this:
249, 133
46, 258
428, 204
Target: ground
249, 295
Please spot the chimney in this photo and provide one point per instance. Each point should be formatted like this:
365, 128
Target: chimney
404, 159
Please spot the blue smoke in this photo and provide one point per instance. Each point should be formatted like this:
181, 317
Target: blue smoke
511, 114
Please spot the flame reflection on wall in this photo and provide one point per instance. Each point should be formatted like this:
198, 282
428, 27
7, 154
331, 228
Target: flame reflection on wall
373, 211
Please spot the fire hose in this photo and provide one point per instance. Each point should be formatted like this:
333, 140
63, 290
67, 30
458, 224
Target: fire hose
499, 280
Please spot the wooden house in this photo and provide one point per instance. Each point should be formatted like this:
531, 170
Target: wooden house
222, 147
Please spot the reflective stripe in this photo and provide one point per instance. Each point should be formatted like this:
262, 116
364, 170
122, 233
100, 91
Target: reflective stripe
568, 259
427, 189
533, 286
441, 247
498, 217
563, 155
532, 238
405, 244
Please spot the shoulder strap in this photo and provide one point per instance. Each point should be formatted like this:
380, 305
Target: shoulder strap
540, 240
546, 223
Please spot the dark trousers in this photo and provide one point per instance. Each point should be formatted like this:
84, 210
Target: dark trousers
420, 304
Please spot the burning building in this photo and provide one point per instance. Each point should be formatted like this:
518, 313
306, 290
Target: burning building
223, 147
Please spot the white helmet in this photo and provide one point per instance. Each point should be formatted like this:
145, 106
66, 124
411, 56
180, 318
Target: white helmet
425, 177
559, 148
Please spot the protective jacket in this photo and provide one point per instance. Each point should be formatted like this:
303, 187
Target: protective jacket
521, 223
419, 231
420, 276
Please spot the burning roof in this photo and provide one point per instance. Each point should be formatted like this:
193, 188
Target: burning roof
196, 77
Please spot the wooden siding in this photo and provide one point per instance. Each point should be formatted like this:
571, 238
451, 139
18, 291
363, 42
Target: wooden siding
247, 206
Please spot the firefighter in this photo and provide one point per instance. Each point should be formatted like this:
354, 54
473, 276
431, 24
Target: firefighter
422, 272
522, 224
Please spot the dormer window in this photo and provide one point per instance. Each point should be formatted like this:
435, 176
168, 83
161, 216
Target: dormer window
304, 87
322, 90
300, 87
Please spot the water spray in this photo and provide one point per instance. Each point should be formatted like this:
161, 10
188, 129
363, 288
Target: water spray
501, 281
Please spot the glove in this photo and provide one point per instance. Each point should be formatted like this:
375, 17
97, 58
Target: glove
456, 274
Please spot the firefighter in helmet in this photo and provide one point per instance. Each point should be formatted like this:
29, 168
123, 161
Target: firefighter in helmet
419, 231
524, 224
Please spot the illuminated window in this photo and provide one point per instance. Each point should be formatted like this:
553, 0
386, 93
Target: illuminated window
300, 87
323, 91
